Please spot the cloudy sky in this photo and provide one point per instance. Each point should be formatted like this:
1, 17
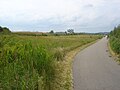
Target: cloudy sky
59, 15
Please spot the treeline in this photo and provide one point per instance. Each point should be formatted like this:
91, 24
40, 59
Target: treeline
115, 39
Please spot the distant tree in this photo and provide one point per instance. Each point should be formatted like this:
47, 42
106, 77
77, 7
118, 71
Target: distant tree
1, 29
66, 32
70, 31
4, 30
52, 32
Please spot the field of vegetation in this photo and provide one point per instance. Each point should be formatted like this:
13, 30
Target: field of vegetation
34, 62
115, 40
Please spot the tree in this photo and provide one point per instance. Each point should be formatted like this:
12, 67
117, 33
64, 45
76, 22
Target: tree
65, 32
70, 31
4, 30
52, 32
1, 29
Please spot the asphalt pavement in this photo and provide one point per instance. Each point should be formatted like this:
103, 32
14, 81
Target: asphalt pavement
95, 69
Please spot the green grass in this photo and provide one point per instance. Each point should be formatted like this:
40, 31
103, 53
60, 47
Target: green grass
32, 62
114, 40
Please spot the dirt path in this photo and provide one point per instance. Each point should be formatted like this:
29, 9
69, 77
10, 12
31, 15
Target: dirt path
94, 69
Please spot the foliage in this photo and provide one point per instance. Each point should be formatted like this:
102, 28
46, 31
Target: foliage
70, 31
51, 32
21, 64
115, 39
29, 62
4, 30
1, 29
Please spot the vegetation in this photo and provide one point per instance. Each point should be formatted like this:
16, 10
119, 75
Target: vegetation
70, 31
115, 40
30, 33
51, 32
34, 62
4, 30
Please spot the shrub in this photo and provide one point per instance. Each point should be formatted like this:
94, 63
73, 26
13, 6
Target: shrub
115, 39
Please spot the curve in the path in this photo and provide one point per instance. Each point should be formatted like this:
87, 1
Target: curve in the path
94, 69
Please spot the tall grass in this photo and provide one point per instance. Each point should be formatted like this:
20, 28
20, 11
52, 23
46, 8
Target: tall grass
28, 63
21, 66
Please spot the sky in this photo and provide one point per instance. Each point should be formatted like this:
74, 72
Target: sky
60, 15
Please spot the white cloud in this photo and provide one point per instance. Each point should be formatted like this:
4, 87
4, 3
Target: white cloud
83, 15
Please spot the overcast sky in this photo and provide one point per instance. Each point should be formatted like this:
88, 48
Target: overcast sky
59, 15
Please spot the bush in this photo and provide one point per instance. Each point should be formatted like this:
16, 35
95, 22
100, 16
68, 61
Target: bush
115, 39
4, 30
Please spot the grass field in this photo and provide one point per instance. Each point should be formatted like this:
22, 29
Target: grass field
33, 62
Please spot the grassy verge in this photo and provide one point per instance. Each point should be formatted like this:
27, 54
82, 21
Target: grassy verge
114, 42
66, 79
115, 55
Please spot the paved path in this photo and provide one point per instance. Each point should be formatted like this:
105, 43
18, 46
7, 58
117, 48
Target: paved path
94, 69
